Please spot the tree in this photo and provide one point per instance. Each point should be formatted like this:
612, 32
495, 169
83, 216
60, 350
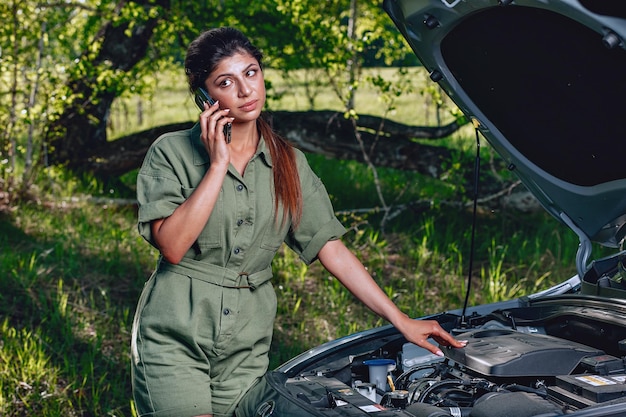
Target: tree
323, 132
337, 35
66, 62
31, 68
102, 72
91, 52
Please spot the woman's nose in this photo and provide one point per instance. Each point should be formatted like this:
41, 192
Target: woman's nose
244, 90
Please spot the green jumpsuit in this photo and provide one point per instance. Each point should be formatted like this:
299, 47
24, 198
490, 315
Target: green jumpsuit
202, 329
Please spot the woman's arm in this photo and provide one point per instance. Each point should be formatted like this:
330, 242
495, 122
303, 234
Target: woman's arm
342, 263
175, 234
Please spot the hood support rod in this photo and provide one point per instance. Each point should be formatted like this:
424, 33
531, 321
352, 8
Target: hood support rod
473, 236
584, 248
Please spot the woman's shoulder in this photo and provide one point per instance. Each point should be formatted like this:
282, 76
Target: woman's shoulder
309, 179
171, 148
176, 144
174, 139
302, 162
300, 156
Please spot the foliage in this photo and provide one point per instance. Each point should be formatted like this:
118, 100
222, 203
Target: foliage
32, 64
48, 48
337, 38
47, 45
63, 64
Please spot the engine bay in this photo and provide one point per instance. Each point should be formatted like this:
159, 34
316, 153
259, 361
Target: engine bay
523, 72
542, 361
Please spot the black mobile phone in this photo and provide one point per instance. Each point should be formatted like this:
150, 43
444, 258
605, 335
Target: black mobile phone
201, 96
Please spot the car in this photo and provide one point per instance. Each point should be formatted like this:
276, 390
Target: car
544, 82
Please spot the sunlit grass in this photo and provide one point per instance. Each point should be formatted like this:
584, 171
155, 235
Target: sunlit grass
69, 280
171, 101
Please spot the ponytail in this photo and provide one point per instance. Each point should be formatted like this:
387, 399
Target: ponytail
286, 178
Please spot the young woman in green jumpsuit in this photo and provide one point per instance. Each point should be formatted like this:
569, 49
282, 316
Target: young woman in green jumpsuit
218, 212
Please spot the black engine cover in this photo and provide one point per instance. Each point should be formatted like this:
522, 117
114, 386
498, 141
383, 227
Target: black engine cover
507, 353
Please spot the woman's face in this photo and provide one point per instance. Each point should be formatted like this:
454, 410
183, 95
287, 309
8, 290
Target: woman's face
238, 84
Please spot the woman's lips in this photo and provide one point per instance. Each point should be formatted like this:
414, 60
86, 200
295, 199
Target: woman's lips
249, 106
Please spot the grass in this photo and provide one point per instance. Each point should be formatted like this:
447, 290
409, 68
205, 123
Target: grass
71, 277
71, 273
172, 102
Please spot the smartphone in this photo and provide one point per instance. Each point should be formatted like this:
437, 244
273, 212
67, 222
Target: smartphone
201, 96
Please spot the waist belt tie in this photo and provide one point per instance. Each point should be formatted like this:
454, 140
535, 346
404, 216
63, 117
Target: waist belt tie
218, 275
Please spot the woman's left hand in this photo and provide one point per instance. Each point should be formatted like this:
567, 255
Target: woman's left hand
344, 265
419, 331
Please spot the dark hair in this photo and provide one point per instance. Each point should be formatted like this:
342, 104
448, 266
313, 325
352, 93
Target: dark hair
208, 50
203, 56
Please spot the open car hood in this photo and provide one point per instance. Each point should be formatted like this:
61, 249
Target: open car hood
545, 84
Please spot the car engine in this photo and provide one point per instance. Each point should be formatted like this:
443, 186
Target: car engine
513, 371
501, 371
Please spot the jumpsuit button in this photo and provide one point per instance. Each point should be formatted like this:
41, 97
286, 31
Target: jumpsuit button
239, 187
239, 222
237, 250
226, 311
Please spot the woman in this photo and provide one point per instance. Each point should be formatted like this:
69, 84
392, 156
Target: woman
218, 211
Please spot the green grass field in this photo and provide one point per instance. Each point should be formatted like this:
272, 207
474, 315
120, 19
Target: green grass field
172, 102
72, 270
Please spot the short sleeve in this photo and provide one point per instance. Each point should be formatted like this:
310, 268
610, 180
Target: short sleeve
319, 223
159, 191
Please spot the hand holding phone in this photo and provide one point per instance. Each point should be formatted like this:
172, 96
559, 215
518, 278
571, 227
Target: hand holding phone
201, 96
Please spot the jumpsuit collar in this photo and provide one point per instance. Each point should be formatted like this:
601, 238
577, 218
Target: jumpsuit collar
201, 157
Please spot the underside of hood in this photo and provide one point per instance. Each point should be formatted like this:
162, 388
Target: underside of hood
545, 84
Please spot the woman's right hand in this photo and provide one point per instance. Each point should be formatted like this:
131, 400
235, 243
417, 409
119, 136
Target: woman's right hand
212, 122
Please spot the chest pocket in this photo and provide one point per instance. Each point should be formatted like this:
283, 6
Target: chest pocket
211, 236
274, 234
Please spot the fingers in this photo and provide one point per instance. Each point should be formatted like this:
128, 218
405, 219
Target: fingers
444, 338
424, 329
451, 342
212, 122
430, 347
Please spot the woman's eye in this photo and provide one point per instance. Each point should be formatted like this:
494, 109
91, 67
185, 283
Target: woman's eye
251, 73
226, 83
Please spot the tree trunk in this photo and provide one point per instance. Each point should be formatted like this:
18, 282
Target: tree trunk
329, 133
81, 126
321, 132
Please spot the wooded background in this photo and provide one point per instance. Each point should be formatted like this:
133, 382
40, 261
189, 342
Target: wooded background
64, 63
